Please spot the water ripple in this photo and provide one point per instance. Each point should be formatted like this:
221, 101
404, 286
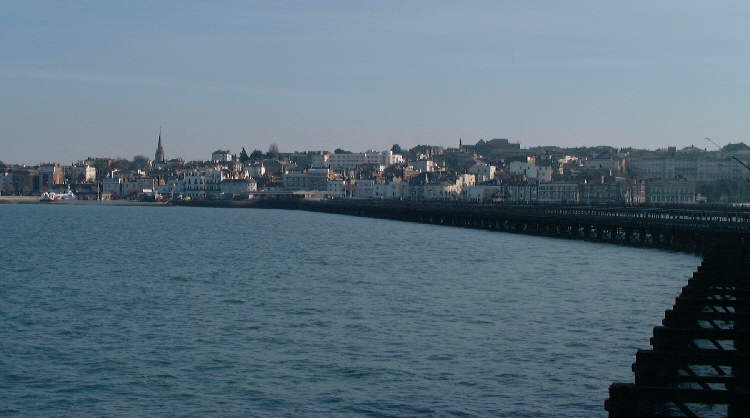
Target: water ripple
201, 311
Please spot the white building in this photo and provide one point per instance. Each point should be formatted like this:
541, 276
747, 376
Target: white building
238, 186
530, 171
483, 172
82, 173
466, 180
443, 190
340, 162
202, 185
255, 171
423, 166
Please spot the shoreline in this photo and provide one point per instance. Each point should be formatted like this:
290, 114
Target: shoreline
31, 200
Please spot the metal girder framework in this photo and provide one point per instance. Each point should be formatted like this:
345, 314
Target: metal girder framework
700, 357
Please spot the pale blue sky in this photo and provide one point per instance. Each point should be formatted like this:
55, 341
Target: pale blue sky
98, 78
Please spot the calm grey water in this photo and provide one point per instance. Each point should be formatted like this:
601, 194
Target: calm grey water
108, 310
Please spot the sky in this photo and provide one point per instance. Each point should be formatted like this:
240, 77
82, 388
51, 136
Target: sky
94, 78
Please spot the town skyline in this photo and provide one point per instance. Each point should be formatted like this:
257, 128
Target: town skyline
704, 144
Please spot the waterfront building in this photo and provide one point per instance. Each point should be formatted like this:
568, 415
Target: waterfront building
111, 187
49, 175
294, 181
339, 188
364, 189
525, 192
202, 185
670, 192
312, 179
6, 181
136, 187
238, 186
25, 181
86, 191
171, 187
558, 193
603, 193
431, 186
393, 190
484, 193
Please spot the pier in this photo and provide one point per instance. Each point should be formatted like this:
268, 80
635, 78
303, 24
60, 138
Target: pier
699, 363
690, 229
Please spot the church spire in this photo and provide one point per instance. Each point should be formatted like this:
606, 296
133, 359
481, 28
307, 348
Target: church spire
159, 156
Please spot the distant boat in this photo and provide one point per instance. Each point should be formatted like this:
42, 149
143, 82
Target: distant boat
52, 196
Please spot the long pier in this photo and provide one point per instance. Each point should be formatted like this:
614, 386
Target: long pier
699, 363
683, 229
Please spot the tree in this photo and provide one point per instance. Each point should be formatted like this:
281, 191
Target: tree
244, 158
273, 151
121, 164
341, 151
396, 148
256, 155
140, 161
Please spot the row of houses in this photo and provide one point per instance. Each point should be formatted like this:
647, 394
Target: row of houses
193, 184
463, 187
43, 178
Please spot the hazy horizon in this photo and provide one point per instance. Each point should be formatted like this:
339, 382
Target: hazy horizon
93, 79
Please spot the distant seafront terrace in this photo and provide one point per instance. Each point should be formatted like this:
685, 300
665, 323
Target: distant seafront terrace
489, 171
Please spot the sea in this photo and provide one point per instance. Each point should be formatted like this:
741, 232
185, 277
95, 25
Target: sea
138, 310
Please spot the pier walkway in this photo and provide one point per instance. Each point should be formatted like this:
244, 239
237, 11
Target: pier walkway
691, 229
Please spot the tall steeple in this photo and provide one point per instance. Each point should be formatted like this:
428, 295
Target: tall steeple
159, 156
